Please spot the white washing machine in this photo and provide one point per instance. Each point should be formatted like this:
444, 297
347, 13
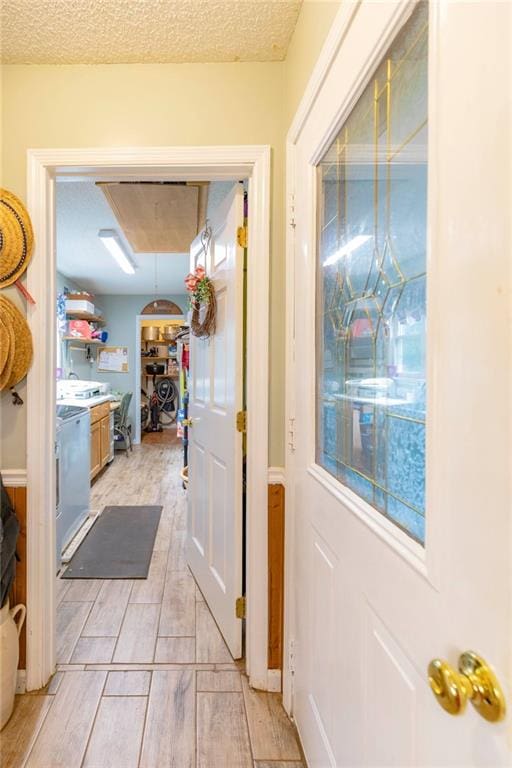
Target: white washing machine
73, 473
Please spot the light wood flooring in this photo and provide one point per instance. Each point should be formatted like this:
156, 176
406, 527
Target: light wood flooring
144, 677
166, 437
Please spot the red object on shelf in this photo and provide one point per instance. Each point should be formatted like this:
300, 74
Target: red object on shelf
185, 357
79, 328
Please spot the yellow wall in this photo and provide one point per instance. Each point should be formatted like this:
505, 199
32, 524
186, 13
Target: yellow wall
130, 105
1, 122
312, 27
114, 105
314, 22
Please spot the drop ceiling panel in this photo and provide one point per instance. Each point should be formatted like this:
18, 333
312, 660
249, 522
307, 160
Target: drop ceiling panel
157, 218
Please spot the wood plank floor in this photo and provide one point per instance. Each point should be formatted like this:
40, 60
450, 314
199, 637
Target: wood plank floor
144, 677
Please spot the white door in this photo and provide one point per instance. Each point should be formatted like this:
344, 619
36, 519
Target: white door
215, 524
401, 470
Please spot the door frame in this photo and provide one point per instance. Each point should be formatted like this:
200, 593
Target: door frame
324, 64
130, 164
137, 434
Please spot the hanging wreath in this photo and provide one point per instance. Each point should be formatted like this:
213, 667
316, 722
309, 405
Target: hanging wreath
202, 296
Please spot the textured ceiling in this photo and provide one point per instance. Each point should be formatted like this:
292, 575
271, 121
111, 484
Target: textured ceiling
145, 31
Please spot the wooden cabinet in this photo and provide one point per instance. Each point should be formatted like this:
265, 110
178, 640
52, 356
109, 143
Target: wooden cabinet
95, 449
99, 412
104, 439
100, 437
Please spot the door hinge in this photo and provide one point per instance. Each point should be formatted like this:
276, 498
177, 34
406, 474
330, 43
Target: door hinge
291, 657
240, 607
293, 223
291, 434
241, 236
241, 421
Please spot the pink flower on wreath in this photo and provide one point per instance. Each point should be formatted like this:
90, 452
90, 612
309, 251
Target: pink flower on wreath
191, 282
200, 272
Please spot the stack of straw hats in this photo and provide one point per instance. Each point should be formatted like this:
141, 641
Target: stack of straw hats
16, 243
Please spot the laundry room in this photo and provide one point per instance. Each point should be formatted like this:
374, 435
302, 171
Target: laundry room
146, 302
111, 269
123, 299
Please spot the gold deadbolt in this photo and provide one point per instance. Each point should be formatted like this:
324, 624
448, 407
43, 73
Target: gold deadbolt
474, 681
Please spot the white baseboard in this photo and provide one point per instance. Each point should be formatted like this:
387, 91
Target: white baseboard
274, 680
21, 681
14, 478
276, 476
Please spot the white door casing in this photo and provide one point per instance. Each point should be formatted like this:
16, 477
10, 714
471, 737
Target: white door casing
215, 523
129, 164
367, 607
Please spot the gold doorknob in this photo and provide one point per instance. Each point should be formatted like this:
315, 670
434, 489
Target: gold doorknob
474, 681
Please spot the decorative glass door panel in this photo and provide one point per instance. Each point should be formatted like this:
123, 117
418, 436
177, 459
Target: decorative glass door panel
371, 288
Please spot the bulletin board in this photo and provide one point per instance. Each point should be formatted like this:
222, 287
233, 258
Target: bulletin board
113, 359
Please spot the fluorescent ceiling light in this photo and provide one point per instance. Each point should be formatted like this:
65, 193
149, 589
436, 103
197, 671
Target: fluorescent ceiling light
110, 240
347, 249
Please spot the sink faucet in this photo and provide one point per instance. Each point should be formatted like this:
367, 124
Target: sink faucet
73, 375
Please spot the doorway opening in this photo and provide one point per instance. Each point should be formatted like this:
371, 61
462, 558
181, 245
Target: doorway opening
47, 167
163, 339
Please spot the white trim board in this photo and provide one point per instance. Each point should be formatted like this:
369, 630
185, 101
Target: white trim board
177, 163
274, 680
276, 476
14, 478
21, 681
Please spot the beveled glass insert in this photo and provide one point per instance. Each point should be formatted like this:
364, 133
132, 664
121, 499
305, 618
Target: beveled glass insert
371, 288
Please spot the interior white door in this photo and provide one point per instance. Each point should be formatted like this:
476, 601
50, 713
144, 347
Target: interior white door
215, 512
394, 565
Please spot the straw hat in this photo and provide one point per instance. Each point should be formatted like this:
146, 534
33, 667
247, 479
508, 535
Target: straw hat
16, 238
6, 352
15, 332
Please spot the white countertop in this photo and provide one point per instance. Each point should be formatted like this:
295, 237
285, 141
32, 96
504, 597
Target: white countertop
85, 402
